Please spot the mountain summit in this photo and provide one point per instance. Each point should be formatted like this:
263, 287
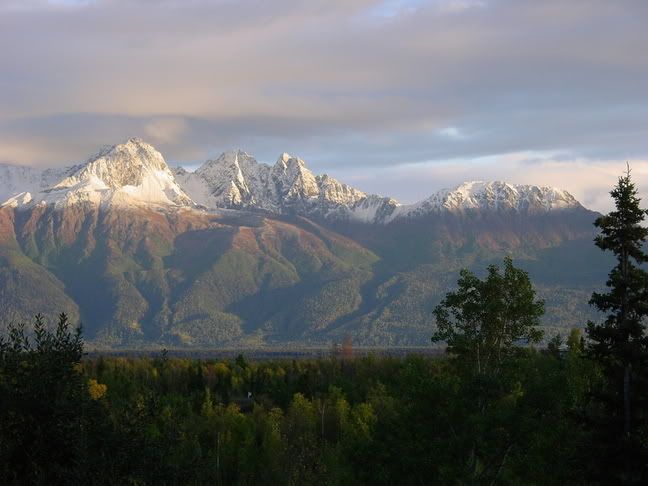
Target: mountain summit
494, 196
236, 180
130, 173
135, 173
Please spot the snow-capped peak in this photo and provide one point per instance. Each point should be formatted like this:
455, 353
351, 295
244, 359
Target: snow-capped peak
237, 180
222, 181
283, 159
135, 173
119, 166
129, 173
493, 196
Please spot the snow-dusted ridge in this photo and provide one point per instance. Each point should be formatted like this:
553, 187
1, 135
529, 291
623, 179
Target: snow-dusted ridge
236, 180
15, 179
135, 173
496, 196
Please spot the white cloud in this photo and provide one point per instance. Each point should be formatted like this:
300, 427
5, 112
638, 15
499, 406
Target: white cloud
166, 130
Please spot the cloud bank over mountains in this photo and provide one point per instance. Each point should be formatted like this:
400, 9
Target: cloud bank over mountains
423, 94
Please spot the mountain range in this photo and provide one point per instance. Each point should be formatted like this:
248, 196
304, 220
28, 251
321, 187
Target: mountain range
239, 252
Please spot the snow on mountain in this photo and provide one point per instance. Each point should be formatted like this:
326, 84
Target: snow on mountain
131, 173
15, 179
236, 180
233, 180
491, 196
136, 173
372, 209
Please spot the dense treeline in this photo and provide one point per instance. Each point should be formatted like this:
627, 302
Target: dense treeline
373, 420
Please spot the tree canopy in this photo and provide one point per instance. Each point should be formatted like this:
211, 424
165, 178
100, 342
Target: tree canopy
483, 319
619, 344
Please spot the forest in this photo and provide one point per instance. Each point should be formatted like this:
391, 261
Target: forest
410, 420
495, 409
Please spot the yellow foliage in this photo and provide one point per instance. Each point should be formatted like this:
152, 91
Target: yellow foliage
221, 369
97, 390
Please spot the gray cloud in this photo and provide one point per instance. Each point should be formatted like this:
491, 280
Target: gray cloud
409, 85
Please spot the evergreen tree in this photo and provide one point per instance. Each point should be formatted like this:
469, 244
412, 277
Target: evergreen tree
619, 344
53, 426
40, 392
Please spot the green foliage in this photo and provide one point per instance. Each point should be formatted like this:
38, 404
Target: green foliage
46, 412
620, 343
483, 319
369, 420
189, 280
622, 336
24, 285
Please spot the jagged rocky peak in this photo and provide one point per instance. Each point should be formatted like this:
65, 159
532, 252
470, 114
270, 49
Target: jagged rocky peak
232, 180
502, 195
297, 182
225, 174
231, 160
284, 158
236, 180
288, 168
134, 172
333, 190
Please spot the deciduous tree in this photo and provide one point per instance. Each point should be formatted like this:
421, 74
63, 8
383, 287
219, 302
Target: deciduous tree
483, 319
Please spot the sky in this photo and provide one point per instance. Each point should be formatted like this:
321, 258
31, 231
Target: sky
396, 97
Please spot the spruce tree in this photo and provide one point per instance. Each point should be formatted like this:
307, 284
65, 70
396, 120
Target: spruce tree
619, 344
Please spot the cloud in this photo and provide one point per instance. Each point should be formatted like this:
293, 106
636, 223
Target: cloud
166, 130
349, 84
